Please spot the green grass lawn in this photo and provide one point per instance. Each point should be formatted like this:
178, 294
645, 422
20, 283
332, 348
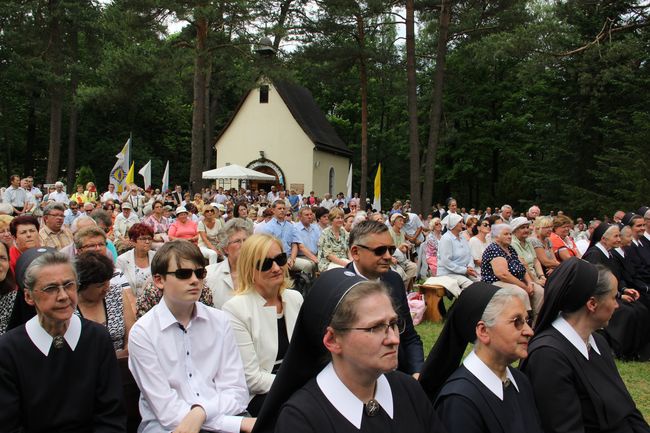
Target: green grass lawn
635, 374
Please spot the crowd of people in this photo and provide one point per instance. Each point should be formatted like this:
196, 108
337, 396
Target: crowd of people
239, 310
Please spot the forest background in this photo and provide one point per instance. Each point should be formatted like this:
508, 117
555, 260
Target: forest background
499, 101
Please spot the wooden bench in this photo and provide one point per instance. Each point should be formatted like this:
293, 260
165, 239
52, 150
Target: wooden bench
432, 296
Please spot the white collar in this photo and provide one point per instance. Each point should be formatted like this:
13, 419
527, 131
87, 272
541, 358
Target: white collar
347, 403
167, 319
647, 235
358, 272
482, 372
570, 334
43, 340
620, 251
603, 249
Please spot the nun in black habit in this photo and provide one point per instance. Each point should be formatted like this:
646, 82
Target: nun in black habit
628, 331
484, 394
338, 374
576, 384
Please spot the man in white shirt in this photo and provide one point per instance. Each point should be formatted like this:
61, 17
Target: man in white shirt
110, 194
16, 196
124, 221
59, 195
186, 384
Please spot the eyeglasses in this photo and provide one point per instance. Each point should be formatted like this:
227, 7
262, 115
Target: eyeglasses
397, 325
267, 263
92, 246
185, 274
55, 215
520, 321
380, 251
237, 241
67, 286
109, 207
486, 224
208, 211
145, 238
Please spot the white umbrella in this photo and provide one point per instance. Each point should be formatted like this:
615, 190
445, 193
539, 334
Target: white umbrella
234, 171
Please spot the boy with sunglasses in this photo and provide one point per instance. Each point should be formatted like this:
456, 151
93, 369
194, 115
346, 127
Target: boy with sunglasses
371, 249
183, 355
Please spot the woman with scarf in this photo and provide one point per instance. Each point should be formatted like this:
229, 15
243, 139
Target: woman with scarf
575, 381
484, 394
339, 372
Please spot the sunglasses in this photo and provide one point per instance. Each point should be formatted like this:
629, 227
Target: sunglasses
520, 321
185, 274
485, 224
380, 251
267, 263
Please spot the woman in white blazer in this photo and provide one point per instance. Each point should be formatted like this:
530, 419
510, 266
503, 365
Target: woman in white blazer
136, 263
263, 313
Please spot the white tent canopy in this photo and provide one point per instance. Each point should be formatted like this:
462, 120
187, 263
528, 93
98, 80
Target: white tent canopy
234, 171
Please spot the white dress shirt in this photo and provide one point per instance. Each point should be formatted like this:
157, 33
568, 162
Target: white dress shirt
219, 280
570, 334
43, 340
482, 372
176, 368
347, 403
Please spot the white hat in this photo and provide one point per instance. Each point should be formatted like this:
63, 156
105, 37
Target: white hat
181, 209
518, 222
451, 220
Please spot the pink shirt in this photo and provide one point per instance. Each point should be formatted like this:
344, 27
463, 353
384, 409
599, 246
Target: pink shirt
183, 231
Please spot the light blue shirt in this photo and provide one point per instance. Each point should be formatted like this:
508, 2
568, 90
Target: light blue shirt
283, 231
454, 255
308, 236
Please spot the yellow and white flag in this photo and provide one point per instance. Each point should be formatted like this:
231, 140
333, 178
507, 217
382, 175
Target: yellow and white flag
121, 167
130, 177
376, 204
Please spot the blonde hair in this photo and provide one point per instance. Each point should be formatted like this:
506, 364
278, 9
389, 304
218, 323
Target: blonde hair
542, 222
252, 254
5, 220
433, 222
334, 213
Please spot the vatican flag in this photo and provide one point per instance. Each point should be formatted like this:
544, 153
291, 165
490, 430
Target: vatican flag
121, 167
130, 177
376, 204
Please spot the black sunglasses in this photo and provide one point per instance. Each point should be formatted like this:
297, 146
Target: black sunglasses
184, 273
380, 251
280, 259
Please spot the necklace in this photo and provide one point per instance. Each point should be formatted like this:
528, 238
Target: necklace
372, 407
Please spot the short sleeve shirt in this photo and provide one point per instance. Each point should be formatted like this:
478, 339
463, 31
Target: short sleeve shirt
514, 265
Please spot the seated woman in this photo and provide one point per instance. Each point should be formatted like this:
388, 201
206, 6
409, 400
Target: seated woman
502, 267
479, 242
542, 244
402, 264
484, 394
628, 331
522, 244
562, 244
8, 292
5, 231
136, 262
24, 230
222, 278
431, 246
186, 228
263, 313
575, 381
66, 365
209, 228
333, 243
102, 303
454, 257
158, 223
353, 322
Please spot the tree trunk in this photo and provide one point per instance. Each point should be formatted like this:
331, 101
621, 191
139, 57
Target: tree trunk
363, 82
30, 136
56, 93
72, 125
198, 105
209, 122
414, 142
435, 115
282, 19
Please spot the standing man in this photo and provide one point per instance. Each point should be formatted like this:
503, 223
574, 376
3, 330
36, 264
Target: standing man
186, 385
53, 233
282, 229
308, 234
371, 249
16, 196
110, 194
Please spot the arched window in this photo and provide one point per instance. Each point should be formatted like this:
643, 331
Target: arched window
331, 183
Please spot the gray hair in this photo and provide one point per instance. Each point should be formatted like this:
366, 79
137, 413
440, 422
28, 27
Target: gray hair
359, 217
53, 206
497, 229
87, 232
34, 269
74, 227
101, 216
233, 226
604, 284
506, 206
498, 303
364, 229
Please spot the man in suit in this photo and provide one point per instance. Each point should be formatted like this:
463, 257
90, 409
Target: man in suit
371, 249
